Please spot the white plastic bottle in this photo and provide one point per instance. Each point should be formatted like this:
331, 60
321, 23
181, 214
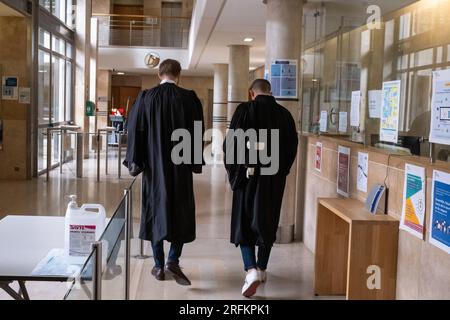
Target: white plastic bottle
83, 226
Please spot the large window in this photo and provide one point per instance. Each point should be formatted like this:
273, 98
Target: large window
345, 55
55, 90
62, 9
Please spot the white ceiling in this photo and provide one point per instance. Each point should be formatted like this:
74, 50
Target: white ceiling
238, 20
6, 11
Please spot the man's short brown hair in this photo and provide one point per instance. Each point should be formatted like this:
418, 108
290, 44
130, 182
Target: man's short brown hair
170, 67
261, 85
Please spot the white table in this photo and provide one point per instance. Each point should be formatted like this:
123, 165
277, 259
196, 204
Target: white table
24, 242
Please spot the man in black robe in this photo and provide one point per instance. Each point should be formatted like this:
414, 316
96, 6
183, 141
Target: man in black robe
258, 184
158, 120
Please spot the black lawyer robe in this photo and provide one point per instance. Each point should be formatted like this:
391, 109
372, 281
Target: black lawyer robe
168, 205
257, 199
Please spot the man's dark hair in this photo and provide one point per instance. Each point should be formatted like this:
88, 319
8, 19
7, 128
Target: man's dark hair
261, 85
170, 67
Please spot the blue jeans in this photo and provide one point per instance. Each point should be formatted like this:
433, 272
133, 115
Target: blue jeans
249, 257
174, 253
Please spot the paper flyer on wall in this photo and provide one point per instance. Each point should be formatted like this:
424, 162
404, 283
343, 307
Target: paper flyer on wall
355, 109
414, 201
440, 211
323, 121
343, 122
318, 158
343, 174
390, 111
440, 108
375, 104
363, 171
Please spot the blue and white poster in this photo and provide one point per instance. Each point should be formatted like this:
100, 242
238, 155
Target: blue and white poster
440, 108
284, 79
440, 211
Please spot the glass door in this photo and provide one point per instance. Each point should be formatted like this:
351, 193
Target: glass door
55, 94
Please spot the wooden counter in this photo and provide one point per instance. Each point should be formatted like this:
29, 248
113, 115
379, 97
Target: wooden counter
349, 242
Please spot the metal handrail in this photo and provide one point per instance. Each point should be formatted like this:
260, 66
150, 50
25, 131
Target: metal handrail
143, 30
137, 16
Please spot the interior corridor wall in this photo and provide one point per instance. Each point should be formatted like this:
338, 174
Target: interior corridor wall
422, 268
15, 61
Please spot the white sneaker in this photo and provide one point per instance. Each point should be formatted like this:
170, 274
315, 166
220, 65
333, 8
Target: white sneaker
262, 276
251, 283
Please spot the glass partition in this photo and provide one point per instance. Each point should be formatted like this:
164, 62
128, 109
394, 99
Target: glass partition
81, 287
344, 53
113, 242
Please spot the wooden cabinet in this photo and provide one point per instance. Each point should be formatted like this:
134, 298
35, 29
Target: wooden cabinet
352, 244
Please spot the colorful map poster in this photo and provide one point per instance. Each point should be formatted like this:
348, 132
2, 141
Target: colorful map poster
440, 211
440, 108
318, 159
284, 79
390, 111
413, 213
343, 174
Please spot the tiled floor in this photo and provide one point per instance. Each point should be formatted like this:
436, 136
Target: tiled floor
212, 263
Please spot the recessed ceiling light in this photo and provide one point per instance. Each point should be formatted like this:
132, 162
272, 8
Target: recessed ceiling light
120, 73
248, 39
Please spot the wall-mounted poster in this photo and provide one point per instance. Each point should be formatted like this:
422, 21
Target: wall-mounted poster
318, 158
390, 111
363, 171
323, 121
284, 79
343, 174
440, 211
355, 109
440, 108
343, 122
375, 104
413, 213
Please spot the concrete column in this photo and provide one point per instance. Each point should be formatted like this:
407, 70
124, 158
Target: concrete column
82, 74
238, 75
220, 105
283, 41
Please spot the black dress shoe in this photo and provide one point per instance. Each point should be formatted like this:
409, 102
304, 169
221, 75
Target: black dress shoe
175, 270
158, 273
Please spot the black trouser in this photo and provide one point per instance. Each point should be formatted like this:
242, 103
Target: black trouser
174, 253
